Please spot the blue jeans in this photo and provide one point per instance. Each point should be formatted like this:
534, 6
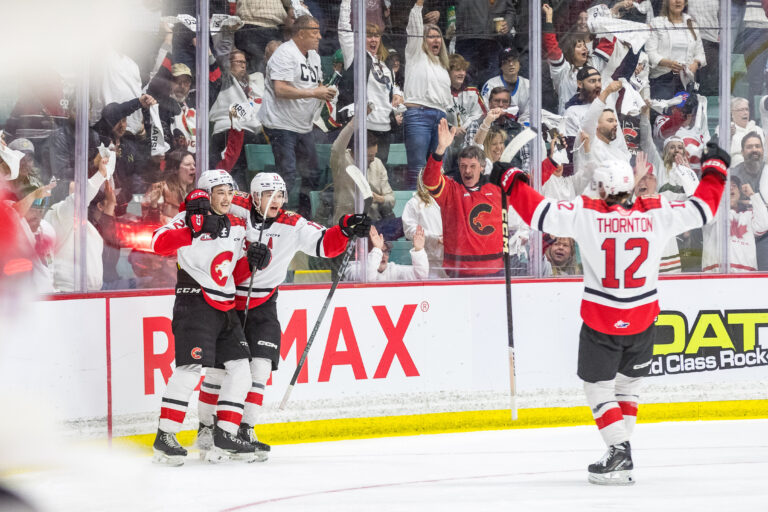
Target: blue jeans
296, 151
420, 132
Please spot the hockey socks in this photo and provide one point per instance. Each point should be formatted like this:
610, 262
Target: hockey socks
601, 398
234, 388
627, 394
176, 397
260, 371
209, 395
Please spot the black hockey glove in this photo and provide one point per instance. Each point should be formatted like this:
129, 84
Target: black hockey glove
197, 205
505, 174
259, 256
715, 160
217, 226
358, 225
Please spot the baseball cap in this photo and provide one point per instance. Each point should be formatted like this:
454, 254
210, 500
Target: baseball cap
586, 72
23, 145
180, 69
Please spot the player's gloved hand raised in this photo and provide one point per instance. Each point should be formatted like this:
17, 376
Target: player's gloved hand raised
197, 205
505, 174
358, 225
259, 256
715, 160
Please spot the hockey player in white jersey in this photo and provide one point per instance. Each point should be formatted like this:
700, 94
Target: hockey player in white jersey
621, 247
207, 332
285, 233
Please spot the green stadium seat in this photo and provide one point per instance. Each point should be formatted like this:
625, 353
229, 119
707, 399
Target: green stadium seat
401, 252
401, 197
397, 155
259, 157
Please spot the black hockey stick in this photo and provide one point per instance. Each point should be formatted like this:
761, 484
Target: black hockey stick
253, 272
508, 289
365, 189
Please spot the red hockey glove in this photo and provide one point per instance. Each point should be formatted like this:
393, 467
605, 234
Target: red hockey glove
715, 160
504, 175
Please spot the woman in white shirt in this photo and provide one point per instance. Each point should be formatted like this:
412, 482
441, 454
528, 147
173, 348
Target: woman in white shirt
675, 50
382, 91
422, 210
427, 90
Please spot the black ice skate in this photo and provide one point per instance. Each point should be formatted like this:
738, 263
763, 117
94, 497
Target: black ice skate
167, 449
227, 446
246, 433
615, 468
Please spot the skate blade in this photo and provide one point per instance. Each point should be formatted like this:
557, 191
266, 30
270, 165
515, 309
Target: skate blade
216, 456
260, 457
244, 457
612, 478
167, 460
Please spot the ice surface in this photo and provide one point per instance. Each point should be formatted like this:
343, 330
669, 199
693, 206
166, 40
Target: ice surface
684, 466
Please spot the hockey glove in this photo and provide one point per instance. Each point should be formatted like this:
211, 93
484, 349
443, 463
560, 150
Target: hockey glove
197, 205
715, 160
358, 225
259, 256
504, 175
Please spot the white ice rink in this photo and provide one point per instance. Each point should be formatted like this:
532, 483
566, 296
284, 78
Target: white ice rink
686, 466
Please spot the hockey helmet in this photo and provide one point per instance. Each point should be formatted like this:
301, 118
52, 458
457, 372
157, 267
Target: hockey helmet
213, 178
615, 176
267, 181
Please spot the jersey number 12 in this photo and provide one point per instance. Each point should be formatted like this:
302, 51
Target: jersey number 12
630, 281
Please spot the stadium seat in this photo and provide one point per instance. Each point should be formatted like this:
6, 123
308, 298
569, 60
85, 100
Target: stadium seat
259, 157
324, 163
401, 252
397, 155
401, 197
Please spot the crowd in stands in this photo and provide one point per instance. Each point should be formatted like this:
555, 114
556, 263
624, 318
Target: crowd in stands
622, 80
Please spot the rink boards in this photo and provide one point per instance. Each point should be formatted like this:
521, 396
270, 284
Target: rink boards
405, 357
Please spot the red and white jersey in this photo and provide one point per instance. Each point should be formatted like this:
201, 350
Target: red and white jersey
620, 248
467, 107
744, 226
286, 235
209, 261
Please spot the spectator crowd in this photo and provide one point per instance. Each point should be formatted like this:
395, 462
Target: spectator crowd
448, 88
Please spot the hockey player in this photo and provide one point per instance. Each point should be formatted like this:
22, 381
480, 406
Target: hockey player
285, 233
621, 246
208, 243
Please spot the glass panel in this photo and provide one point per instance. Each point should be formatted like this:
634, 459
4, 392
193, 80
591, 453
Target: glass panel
748, 221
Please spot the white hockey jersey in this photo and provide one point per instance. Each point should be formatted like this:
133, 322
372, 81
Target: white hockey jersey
210, 262
286, 235
743, 228
467, 107
620, 248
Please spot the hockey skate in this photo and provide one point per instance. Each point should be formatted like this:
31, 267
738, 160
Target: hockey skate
204, 440
246, 433
167, 449
615, 468
229, 447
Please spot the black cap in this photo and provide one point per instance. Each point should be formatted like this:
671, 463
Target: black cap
585, 72
508, 53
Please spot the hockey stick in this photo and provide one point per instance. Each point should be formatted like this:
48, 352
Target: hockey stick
365, 189
514, 146
253, 273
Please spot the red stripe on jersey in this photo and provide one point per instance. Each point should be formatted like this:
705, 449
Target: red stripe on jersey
223, 305
288, 218
610, 320
242, 199
208, 398
609, 417
710, 190
254, 398
170, 240
236, 221
643, 204
230, 416
595, 204
172, 415
334, 242
628, 408
240, 300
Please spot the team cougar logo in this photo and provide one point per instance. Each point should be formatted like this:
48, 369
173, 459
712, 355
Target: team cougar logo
196, 353
480, 220
219, 266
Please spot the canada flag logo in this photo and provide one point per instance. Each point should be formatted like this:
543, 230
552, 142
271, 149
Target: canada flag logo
219, 267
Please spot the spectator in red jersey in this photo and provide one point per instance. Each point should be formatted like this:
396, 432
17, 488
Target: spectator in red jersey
470, 211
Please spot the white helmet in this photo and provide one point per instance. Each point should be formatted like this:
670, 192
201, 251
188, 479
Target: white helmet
264, 181
210, 179
615, 176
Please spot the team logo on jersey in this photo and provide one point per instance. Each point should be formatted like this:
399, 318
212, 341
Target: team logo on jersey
219, 265
480, 219
621, 324
196, 353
